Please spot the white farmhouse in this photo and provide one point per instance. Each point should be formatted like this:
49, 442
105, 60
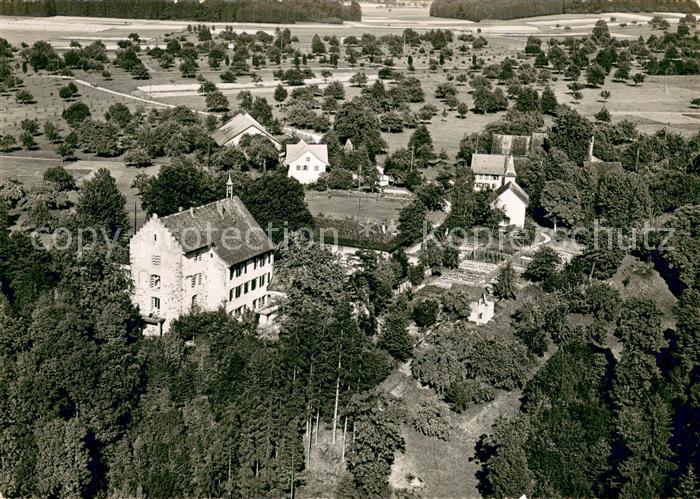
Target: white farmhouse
482, 304
491, 171
203, 258
306, 162
481, 308
513, 201
231, 132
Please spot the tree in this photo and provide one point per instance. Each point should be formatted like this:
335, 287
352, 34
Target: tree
605, 95
188, 68
359, 79
572, 134
462, 109
24, 97
217, 101
421, 146
603, 115
377, 438
543, 265
527, 100
395, 339
118, 113
595, 75
277, 203
63, 460
99, 137
528, 323
101, 205
561, 203
58, 176
280, 93
65, 151
638, 78
68, 91
355, 121
138, 157
504, 286
431, 255
425, 313
548, 101
639, 326
51, 132
27, 140
7, 143
317, 46
646, 432
507, 467
412, 221
76, 113
30, 126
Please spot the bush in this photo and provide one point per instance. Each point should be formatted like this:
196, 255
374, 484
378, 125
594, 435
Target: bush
58, 175
432, 419
463, 393
425, 313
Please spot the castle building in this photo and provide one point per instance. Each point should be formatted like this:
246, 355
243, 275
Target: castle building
204, 258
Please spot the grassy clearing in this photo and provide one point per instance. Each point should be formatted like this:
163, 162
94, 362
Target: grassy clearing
361, 208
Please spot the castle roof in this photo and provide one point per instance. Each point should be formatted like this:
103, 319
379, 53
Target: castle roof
226, 226
296, 151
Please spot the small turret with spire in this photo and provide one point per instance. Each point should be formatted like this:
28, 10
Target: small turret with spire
510, 174
229, 187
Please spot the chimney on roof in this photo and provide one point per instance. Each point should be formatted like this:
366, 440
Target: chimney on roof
229, 187
179, 209
192, 211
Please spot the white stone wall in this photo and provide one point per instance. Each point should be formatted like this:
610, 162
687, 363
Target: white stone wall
154, 252
314, 168
513, 207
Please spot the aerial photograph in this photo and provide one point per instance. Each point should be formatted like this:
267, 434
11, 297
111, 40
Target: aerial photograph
349, 249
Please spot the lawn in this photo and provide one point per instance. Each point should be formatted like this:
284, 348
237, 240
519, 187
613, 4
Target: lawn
361, 207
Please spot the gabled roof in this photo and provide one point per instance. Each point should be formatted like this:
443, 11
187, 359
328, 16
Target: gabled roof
475, 293
226, 226
488, 164
241, 122
518, 145
296, 151
517, 190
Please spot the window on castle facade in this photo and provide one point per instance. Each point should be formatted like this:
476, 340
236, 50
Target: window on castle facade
154, 281
155, 259
155, 303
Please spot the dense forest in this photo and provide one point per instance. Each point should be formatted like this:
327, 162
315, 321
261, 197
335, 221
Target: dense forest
475, 10
288, 11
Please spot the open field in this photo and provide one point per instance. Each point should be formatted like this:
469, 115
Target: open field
657, 103
374, 208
